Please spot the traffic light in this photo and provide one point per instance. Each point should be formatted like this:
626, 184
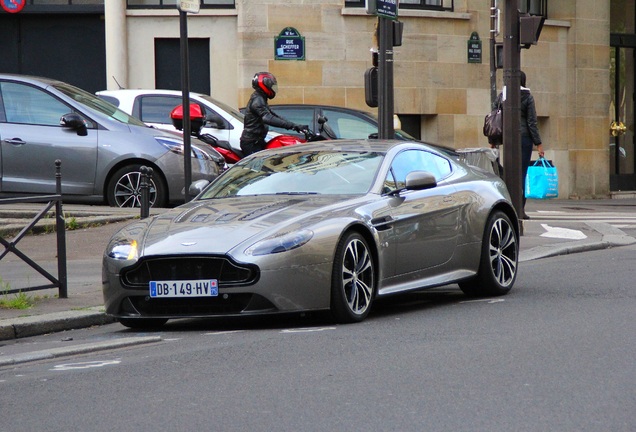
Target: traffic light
371, 87
530, 27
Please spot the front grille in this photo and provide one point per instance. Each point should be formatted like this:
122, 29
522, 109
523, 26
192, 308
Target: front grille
222, 305
225, 271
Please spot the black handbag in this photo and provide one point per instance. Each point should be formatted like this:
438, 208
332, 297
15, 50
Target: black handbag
493, 125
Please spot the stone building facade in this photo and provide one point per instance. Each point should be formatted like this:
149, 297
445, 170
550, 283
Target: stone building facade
439, 94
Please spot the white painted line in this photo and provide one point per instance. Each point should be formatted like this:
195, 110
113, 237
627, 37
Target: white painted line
563, 233
308, 330
85, 365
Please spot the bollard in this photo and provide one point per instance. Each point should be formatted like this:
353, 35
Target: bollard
146, 173
60, 225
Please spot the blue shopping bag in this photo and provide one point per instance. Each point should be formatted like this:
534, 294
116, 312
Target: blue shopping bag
542, 180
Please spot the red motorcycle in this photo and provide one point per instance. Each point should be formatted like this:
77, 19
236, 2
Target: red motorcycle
233, 155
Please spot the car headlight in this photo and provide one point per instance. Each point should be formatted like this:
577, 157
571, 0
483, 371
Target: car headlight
123, 250
281, 243
176, 146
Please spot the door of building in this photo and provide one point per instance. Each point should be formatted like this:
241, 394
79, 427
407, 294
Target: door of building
65, 46
622, 140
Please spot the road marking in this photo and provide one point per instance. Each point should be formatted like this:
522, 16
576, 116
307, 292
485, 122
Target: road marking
85, 365
489, 301
308, 330
564, 233
222, 332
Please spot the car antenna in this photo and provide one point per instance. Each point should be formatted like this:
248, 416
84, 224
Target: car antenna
117, 82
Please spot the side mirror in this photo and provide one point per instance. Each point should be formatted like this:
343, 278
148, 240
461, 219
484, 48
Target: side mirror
74, 121
419, 180
197, 187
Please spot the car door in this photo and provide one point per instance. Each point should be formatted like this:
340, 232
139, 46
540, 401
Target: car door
347, 125
425, 222
32, 139
295, 114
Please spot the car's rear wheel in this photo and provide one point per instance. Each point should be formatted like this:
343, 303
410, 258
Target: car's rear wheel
124, 188
352, 280
499, 259
142, 323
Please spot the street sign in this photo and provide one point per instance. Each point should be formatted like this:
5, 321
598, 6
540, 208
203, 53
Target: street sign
13, 6
191, 6
474, 48
289, 45
387, 8
382, 8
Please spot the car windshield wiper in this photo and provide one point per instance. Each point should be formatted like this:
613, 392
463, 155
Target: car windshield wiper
296, 193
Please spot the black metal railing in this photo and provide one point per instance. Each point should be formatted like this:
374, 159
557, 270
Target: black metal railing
61, 281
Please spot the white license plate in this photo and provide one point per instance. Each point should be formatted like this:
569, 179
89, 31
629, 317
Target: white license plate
184, 288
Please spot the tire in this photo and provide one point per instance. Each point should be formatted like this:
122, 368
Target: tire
142, 323
124, 188
353, 280
499, 259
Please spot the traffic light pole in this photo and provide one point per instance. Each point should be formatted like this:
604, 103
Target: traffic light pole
511, 106
385, 79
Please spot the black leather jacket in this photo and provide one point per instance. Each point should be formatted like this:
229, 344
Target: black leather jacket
528, 120
257, 116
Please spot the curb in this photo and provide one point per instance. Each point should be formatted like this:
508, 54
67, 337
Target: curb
50, 323
48, 354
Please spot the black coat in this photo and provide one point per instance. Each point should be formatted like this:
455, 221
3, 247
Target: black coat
257, 116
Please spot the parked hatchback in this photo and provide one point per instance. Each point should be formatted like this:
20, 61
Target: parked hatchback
153, 107
101, 147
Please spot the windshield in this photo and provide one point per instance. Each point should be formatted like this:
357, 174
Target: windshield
97, 104
232, 111
299, 173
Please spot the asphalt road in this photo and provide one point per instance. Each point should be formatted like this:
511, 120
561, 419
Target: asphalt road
556, 354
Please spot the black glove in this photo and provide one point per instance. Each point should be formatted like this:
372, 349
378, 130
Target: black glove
300, 128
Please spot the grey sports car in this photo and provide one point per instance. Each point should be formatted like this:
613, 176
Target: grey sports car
324, 226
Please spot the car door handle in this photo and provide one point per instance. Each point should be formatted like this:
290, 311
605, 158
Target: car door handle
15, 141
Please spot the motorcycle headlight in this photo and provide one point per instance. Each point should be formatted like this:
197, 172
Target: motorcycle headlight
281, 243
123, 250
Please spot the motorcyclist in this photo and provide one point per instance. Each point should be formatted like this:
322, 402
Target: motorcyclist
258, 114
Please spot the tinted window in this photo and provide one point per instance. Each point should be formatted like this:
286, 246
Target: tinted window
30, 105
301, 116
157, 109
347, 125
418, 160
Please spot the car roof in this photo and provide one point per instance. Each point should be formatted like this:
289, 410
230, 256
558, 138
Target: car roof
137, 92
32, 79
333, 107
359, 145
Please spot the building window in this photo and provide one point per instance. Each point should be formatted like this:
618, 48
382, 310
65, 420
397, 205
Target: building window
171, 4
446, 5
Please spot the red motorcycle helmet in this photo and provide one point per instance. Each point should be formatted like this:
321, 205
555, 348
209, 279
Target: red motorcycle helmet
265, 82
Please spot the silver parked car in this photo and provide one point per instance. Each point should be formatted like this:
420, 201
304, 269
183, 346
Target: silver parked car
101, 147
329, 225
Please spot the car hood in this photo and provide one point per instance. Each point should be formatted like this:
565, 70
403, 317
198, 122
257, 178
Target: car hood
218, 226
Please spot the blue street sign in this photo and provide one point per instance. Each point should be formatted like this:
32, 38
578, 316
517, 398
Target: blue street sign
289, 45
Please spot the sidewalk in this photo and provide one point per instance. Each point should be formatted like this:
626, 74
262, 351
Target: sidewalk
553, 229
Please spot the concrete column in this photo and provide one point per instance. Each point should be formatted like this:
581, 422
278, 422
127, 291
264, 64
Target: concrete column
116, 44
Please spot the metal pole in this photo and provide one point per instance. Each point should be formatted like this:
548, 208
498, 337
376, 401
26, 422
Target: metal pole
60, 227
146, 173
385, 79
511, 106
493, 55
185, 90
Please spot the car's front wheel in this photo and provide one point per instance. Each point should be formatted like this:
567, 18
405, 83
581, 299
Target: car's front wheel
353, 280
124, 188
142, 323
499, 259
